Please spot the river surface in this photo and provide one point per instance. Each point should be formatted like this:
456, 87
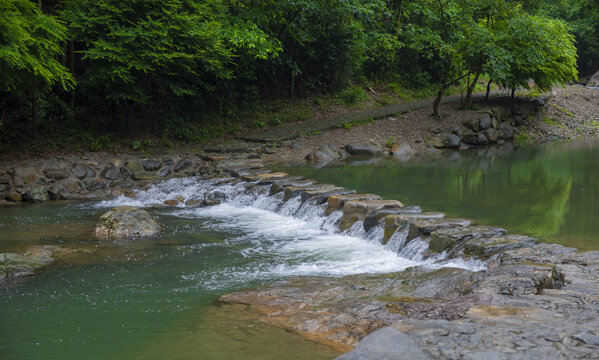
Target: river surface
154, 298
547, 191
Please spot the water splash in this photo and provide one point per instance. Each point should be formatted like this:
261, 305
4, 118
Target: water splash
284, 238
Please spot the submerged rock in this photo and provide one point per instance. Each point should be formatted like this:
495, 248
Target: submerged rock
127, 221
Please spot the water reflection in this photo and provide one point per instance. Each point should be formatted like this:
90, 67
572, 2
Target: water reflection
549, 191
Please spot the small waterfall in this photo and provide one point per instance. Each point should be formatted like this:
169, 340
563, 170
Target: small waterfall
249, 207
397, 240
414, 250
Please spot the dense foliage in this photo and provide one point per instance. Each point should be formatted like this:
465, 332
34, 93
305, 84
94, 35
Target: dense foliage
103, 64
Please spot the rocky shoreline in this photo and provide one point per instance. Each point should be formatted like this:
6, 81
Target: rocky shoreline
530, 300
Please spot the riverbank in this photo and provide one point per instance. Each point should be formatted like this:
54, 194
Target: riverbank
570, 113
460, 290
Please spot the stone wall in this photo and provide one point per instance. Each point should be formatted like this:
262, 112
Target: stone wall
92, 175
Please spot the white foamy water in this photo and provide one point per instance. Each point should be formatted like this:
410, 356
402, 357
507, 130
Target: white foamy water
281, 239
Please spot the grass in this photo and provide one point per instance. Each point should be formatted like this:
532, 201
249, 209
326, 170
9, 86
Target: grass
351, 124
522, 137
563, 110
549, 121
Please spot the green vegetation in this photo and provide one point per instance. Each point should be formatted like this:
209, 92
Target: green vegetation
522, 136
190, 70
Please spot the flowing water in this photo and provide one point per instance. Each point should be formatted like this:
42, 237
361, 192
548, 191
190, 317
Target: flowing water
550, 192
153, 298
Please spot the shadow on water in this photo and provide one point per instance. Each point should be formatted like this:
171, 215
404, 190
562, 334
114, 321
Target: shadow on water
550, 191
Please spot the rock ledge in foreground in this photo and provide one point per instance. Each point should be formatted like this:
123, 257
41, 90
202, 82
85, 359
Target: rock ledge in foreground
386, 344
127, 221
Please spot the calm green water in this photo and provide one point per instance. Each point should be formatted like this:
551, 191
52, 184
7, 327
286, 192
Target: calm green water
149, 299
550, 192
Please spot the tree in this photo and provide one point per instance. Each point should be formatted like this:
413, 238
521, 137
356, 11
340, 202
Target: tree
147, 50
540, 49
30, 43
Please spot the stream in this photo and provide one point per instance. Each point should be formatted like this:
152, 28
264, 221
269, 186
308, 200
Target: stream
153, 298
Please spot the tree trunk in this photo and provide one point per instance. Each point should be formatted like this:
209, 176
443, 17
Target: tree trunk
468, 101
513, 95
399, 10
488, 90
437, 101
72, 63
34, 114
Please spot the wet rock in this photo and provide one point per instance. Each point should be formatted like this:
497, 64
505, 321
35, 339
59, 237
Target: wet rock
25, 177
278, 186
485, 247
264, 176
377, 216
402, 151
336, 202
293, 191
363, 149
83, 171
214, 197
586, 337
434, 141
151, 165
458, 131
126, 221
355, 210
420, 224
110, 172
485, 122
445, 239
125, 173
320, 196
165, 172
386, 343
279, 180
36, 195
183, 165
193, 203
171, 202
56, 174
472, 124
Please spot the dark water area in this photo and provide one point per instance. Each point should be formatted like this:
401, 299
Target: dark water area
550, 191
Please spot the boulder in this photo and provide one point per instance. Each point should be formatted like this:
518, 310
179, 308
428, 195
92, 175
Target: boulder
363, 149
472, 124
83, 171
485, 122
447, 238
434, 141
402, 151
324, 153
386, 344
133, 166
507, 130
450, 141
151, 165
13, 196
167, 160
492, 135
458, 131
36, 195
25, 176
110, 172
126, 221
594, 80
94, 184
56, 174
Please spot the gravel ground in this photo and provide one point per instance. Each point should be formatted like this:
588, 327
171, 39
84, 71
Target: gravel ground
572, 112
